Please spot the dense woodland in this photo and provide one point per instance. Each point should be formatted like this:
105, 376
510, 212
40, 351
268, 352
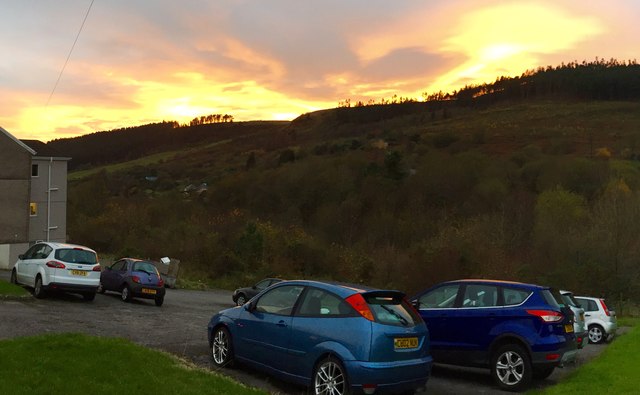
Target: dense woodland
538, 187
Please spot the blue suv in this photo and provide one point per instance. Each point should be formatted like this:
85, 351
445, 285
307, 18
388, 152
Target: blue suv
517, 330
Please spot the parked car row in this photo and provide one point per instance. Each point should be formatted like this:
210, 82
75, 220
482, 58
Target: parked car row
339, 339
49, 267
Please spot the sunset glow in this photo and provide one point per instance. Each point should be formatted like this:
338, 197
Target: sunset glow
274, 60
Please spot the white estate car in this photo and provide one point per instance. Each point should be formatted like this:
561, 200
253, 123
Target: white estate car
58, 267
579, 324
601, 322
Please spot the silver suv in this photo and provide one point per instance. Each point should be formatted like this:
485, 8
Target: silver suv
58, 267
601, 322
579, 325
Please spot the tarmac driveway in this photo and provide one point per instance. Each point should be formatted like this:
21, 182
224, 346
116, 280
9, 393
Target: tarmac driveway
179, 327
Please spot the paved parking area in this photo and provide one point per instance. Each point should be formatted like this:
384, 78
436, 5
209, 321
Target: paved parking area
179, 327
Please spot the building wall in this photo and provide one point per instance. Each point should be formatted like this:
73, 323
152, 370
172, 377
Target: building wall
15, 174
56, 171
9, 254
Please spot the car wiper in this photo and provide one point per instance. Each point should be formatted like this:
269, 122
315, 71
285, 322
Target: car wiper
398, 316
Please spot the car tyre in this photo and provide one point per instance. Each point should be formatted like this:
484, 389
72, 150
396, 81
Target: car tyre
222, 347
159, 301
38, 290
511, 367
101, 288
89, 296
596, 334
14, 277
543, 373
126, 294
330, 377
241, 300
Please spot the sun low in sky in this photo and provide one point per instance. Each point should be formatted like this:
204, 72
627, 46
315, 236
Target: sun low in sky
141, 62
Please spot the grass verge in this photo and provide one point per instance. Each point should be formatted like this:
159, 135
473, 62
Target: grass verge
10, 291
615, 371
81, 364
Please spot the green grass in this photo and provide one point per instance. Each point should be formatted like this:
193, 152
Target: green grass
615, 371
8, 290
80, 364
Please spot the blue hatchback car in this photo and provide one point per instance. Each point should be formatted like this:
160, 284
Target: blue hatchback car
517, 330
334, 338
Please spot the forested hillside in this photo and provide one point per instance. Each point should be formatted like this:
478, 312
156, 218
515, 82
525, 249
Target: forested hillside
401, 195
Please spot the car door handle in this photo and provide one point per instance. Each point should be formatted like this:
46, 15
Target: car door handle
587, 315
282, 324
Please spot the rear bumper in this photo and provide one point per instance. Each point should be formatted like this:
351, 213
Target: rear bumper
79, 288
137, 291
389, 377
558, 357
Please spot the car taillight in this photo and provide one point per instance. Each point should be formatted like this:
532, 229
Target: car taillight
160, 282
547, 315
136, 279
604, 306
56, 265
360, 305
97, 268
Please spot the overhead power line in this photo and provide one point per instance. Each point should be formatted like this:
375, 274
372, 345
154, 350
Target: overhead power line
69, 55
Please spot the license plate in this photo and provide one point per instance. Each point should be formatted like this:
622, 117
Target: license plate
405, 342
78, 273
148, 291
568, 328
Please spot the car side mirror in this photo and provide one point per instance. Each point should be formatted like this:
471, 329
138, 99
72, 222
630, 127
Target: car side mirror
416, 304
21, 256
248, 307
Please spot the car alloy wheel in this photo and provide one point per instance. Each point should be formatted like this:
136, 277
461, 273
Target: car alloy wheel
596, 334
100, 288
38, 292
221, 350
511, 367
330, 378
126, 294
241, 300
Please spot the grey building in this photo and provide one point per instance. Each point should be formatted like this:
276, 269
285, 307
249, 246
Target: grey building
33, 196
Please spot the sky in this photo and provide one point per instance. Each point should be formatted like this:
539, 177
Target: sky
142, 61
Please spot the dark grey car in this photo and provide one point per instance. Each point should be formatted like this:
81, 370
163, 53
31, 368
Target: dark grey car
242, 295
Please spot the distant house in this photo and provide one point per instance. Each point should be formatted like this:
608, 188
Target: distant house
33, 196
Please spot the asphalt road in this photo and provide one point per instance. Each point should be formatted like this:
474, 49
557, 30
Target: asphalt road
179, 327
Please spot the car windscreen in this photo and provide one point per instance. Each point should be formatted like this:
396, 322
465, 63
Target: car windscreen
145, 267
76, 255
392, 310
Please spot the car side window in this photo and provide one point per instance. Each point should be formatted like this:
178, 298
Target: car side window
513, 297
31, 252
588, 305
440, 298
42, 251
480, 295
319, 303
119, 266
263, 284
279, 300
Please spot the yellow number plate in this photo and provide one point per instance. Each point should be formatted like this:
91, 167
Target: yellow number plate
148, 291
405, 342
79, 273
568, 328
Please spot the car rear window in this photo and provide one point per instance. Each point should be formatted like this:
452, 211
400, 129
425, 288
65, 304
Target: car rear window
392, 310
76, 255
145, 267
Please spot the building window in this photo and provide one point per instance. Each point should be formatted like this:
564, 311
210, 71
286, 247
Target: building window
34, 170
33, 209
